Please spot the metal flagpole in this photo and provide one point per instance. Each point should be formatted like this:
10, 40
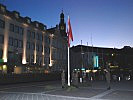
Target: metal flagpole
68, 68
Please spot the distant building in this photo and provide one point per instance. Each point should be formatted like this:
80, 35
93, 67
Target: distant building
89, 57
28, 46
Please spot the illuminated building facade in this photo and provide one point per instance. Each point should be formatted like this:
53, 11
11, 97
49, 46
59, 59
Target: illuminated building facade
28, 46
58, 46
90, 58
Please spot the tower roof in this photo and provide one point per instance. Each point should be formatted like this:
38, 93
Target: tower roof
62, 14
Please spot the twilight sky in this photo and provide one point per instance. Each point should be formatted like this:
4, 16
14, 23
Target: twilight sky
108, 22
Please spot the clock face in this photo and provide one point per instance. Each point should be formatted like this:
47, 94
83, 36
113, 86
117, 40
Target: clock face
62, 27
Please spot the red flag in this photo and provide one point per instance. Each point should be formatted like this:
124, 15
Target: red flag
69, 32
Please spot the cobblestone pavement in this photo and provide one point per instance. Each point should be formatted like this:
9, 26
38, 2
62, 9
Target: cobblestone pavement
53, 91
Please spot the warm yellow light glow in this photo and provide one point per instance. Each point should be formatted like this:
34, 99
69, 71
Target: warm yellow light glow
5, 59
0, 67
43, 32
87, 71
114, 66
52, 35
24, 54
35, 57
43, 52
94, 71
24, 47
50, 52
112, 54
26, 25
7, 17
4, 67
5, 50
50, 64
35, 53
5, 46
24, 61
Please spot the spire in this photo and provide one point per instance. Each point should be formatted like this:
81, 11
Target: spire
62, 15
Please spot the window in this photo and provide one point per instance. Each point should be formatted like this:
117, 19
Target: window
32, 46
28, 45
11, 27
46, 39
46, 50
41, 37
2, 24
1, 54
41, 48
21, 30
37, 47
28, 33
1, 39
37, 36
16, 30
20, 44
15, 43
10, 41
33, 35
32, 58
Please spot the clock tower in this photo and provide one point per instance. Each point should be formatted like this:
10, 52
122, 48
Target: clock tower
62, 24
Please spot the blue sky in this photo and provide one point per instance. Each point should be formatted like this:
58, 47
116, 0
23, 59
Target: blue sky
108, 22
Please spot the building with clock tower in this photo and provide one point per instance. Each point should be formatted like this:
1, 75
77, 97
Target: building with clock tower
62, 24
58, 46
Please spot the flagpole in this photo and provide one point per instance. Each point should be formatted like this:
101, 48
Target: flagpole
68, 68
70, 37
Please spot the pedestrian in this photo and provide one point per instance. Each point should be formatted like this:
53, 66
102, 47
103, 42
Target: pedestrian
76, 79
63, 78
107, 75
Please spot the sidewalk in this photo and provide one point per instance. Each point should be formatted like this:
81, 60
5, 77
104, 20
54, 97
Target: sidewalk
52, 91
97, 90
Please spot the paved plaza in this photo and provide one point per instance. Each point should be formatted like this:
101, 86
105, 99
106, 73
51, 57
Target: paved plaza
52, 91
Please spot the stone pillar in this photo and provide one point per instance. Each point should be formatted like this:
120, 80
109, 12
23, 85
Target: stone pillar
43, 53
6, 36
24, 44
35, 53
